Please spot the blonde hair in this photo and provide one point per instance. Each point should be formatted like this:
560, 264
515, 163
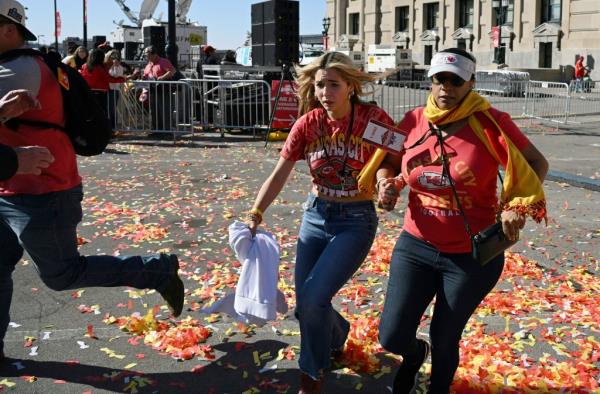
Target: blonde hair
332, 60
108, 56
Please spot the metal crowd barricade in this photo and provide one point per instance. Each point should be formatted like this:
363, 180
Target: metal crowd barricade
152, 106
399, 97
180, 107
505, 95
584, 98
230, 104
547, 101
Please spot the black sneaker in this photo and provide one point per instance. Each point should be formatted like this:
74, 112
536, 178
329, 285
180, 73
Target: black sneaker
406, 377
174, 292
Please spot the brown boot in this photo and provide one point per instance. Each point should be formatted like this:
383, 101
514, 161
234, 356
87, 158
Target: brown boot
308, 385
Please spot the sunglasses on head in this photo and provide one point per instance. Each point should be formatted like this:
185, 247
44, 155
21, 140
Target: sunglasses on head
454, 80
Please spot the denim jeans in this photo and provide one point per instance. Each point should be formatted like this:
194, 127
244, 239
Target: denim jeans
418, 272
46, 227
334, 240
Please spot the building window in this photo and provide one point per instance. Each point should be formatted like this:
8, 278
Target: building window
551, 11
504, 12
465, 16
402, 18
354, 23
431, 16
428, 54
545, 55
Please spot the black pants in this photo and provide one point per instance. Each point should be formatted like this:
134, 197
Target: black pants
419, 272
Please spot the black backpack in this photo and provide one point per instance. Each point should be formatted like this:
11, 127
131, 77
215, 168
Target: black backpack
86, 123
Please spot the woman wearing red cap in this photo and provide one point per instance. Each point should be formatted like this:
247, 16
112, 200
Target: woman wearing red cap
454, 148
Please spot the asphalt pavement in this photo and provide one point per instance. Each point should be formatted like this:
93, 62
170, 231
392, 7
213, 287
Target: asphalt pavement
537, 331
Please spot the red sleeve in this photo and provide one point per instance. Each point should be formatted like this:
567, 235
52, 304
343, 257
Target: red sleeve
293, 149
166, 63
510, 128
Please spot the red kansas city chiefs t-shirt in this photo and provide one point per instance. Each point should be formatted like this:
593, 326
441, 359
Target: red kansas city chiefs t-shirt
433, 213
334, 160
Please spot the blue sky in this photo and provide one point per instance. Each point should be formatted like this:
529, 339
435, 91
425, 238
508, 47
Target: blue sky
227, 21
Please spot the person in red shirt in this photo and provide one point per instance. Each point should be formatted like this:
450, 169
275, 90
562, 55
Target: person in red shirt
579, 74
96, 74
450, 163
339, 222
161, 99
21, 159
40, 210
98, 78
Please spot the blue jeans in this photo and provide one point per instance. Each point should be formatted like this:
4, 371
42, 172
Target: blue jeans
418, 272
46, 227
334, 240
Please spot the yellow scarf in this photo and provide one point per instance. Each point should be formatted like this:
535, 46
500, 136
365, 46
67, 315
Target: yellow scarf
366, 177
522, 190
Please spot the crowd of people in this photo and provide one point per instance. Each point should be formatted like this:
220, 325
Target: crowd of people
449, 162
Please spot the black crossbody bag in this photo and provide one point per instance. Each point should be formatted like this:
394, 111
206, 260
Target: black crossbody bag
489, 242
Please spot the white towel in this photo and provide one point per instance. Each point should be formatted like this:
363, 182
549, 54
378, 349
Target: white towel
256, 298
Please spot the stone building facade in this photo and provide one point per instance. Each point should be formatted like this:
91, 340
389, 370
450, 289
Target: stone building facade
543, 37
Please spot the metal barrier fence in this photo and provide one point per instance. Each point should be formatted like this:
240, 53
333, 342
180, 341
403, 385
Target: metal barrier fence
399, 97
584, 98
231, 104
154, 106
181, 107
506, 96
547, 101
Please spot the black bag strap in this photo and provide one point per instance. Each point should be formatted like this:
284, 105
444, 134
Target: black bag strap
446, 171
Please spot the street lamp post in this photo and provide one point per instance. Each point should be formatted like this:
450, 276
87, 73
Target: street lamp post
326, 24
85, 24
171, 48
38, 39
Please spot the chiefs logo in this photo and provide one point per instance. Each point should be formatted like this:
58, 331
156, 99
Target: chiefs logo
432, 180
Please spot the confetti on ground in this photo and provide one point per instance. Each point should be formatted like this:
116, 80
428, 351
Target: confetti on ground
537, 332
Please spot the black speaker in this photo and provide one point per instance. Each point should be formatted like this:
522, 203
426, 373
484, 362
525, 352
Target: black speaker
119, 46
131, 49
97, 40
155, 35
275, 32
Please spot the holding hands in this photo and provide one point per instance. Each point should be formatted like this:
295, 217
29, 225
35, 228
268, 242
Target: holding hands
387, 193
